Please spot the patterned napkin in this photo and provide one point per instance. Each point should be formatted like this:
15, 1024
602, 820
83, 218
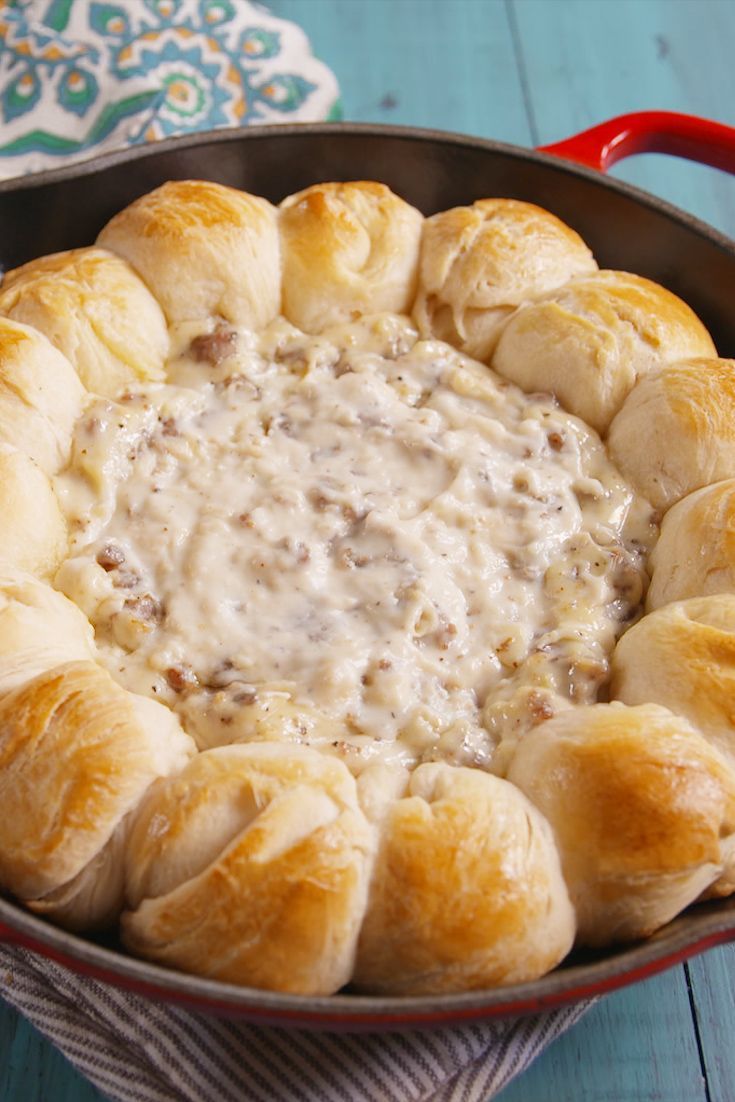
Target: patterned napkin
78, 78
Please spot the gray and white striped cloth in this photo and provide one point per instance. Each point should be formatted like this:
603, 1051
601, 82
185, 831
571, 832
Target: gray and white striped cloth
135, 1050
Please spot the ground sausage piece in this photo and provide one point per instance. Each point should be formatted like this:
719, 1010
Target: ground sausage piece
213, 348
145, 607
110, 557
181, 678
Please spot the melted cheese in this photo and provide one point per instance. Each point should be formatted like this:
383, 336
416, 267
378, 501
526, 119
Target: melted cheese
362, 541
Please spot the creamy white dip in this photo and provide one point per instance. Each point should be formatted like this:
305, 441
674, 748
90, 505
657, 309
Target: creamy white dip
363, 541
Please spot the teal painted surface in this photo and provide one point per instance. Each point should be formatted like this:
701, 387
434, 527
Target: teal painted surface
585, 62
529, 71
713, 990
32, 1070
447, 65
636, 1045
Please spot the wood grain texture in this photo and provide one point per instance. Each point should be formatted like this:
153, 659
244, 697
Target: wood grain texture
443, 64
530, 71
713, 994
583, 62
32, 1070
636, 1045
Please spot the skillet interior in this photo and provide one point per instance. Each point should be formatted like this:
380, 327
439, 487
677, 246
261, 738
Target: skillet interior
625, 228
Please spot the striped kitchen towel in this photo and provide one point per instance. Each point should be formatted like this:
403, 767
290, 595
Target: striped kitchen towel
134, 1050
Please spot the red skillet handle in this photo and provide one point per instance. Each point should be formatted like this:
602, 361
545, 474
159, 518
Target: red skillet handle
711, 143
8, 936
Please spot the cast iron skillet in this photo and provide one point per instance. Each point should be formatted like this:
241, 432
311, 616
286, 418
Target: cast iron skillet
626, 229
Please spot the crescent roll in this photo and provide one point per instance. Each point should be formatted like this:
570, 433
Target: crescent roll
676, 430
92, 307
643, 810
33, 533
77, 753
591, 340
683, 657
204, 250
348, 250
39, 629
695, 552
467, 890
252, 866
479, 263
41, 396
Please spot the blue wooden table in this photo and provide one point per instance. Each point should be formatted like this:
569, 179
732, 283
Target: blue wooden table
531, 72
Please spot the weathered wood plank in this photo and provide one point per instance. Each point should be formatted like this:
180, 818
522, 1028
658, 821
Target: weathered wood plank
713, 992
447, 64
32, 1070
584, 62
636, 1045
